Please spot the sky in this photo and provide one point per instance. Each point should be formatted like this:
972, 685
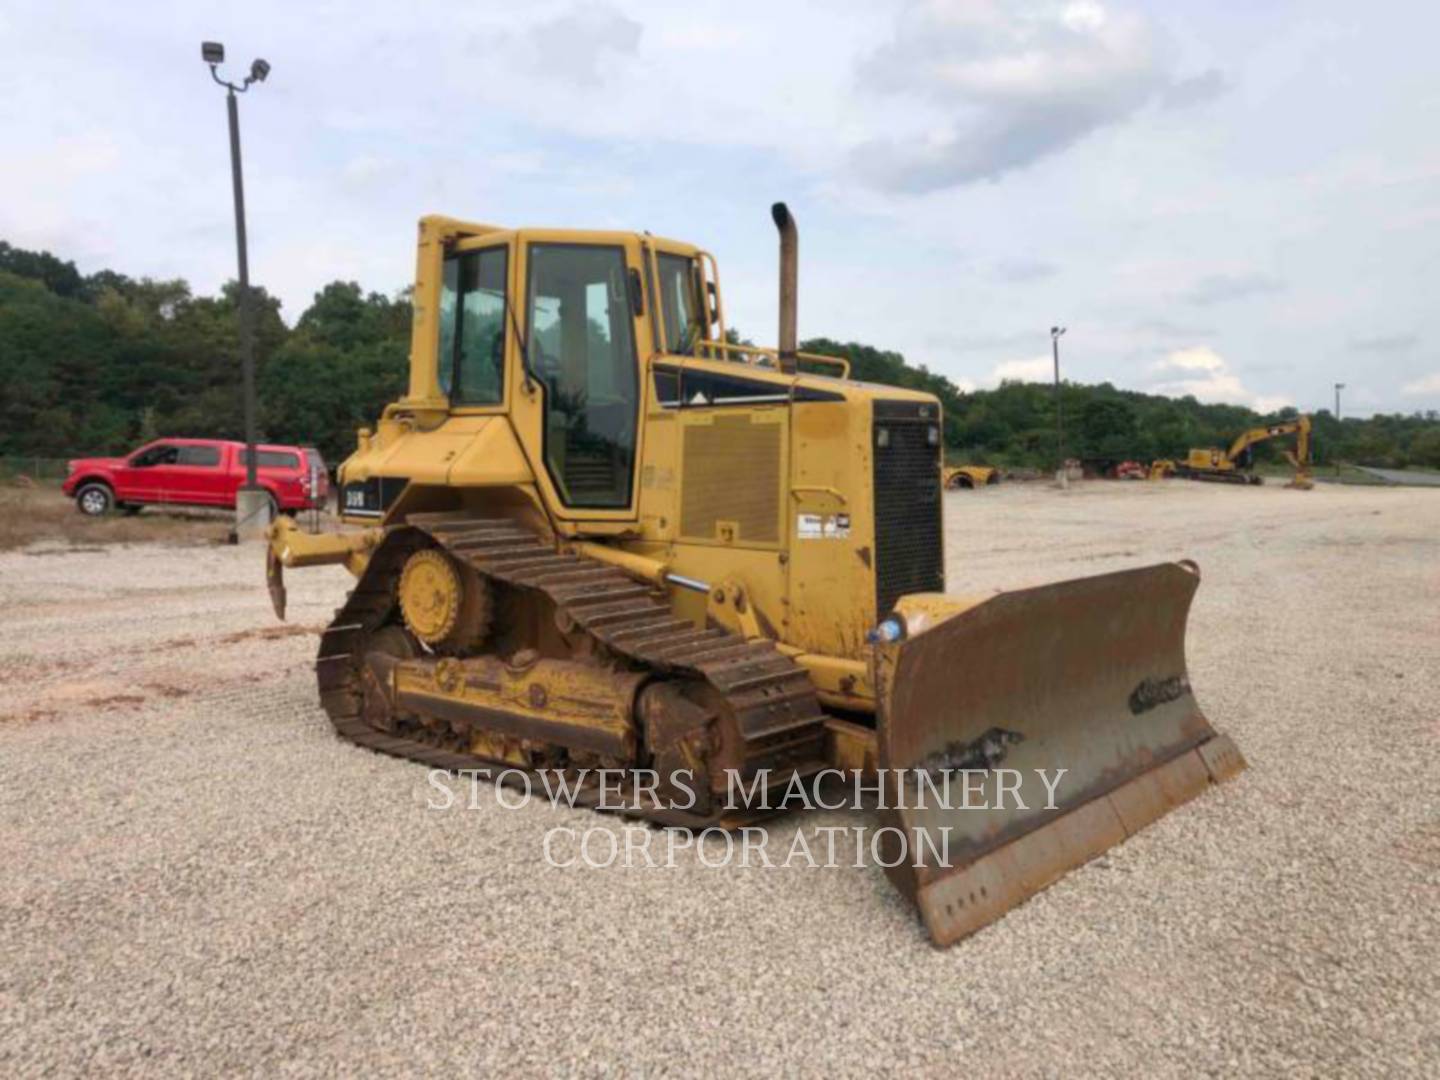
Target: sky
1237, 200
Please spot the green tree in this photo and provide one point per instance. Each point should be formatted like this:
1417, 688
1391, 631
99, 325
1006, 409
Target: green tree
1425, 448
93, 364
61, 278
1109, 428
347, 358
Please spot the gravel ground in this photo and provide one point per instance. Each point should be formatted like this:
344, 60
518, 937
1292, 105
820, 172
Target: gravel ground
199, 877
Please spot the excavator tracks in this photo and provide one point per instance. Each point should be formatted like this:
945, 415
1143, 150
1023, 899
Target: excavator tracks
766, 698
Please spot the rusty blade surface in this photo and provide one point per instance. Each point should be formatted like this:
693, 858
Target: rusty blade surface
1087, 676
275, 581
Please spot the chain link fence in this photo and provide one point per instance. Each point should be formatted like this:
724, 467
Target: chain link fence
24, 470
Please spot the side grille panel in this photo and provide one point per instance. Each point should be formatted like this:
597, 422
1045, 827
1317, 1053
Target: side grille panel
732, 475
909, 544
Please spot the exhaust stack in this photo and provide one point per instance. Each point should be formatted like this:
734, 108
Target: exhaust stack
789, 285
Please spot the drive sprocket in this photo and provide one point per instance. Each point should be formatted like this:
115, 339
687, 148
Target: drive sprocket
444, 604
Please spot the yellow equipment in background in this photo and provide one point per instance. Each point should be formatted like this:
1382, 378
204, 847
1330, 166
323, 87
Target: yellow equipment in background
970, 476
1230, 465
598, 537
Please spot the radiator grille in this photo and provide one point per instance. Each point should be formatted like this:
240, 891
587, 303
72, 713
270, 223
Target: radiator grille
732, 474
909, 546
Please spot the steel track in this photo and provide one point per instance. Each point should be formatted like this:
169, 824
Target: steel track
769, 698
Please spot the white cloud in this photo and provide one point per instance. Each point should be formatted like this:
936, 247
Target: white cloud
1195, 90
581, 44
1428, 384
1001, 85
1202, 373
1222, 288
1269, 403
1036, 369
1199, 358
1385, 343
1024, 269
367, 168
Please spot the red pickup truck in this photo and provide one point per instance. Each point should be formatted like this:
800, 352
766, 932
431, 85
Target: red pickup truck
197, 472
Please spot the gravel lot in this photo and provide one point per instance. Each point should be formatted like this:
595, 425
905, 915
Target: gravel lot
198, 876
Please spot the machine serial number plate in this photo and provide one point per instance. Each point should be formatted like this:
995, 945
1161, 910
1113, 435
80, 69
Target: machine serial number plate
822, 526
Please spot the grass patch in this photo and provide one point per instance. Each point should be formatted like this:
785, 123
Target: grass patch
32, 515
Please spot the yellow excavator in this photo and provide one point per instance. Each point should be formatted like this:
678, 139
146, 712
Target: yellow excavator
596, 536
1232, 465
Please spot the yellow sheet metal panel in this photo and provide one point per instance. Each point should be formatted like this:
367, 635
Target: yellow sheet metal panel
830, 529
660, 477
573, 704
491, 457
1208, 458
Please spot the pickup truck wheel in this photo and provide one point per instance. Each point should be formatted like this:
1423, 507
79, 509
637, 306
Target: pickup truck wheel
94, 499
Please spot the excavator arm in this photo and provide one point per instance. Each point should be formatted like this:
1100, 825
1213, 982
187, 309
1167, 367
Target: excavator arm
1299, 457
1299, 427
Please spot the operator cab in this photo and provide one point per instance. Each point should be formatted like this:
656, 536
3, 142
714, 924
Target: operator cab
564, 317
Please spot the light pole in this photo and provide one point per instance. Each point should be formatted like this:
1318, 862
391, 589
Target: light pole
1338, 387
252, 504
1060, 473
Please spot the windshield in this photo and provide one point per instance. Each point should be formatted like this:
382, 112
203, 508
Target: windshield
679, 302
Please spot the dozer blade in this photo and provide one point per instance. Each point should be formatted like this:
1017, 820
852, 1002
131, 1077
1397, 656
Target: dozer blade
1086, 676
275, 581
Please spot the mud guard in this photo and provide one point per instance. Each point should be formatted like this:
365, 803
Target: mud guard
1087, 676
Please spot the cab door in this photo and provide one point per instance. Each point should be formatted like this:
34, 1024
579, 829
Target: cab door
584, 331
196, 478
144, 478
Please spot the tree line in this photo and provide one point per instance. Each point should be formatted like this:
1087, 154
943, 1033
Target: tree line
99, 363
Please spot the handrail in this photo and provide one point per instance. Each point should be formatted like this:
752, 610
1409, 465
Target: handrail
706, 259
769, 357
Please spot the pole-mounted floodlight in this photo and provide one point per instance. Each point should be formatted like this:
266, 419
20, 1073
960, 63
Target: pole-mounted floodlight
252, 501
213, 53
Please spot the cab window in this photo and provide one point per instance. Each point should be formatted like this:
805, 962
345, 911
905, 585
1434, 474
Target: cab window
270, 459
679, 291
472, 327
581, 345
207, 456
155, 455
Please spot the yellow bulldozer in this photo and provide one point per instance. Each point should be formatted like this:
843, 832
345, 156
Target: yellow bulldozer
597, 536
1233, 465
